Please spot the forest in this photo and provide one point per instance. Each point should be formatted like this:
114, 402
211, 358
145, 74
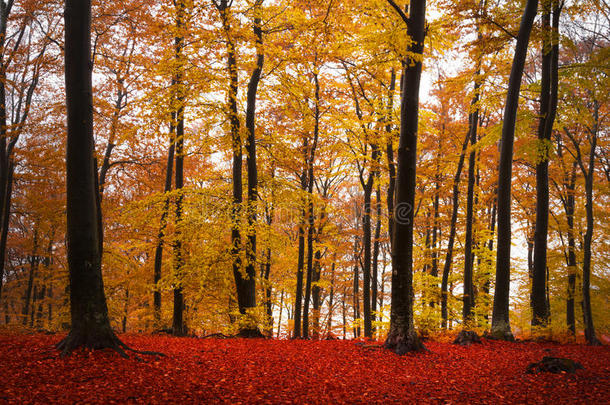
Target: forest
393, 174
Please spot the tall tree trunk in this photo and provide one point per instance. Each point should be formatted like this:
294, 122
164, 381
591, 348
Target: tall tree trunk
402, 337
586, 263
178, 323
572, 270
452, 228
468, 297
376, 247
301, 252
331, 297
366, 245
548, 108
316, 292
32, 274
163, 225
390, 155
5, 204
588, 173
248, 288
310, 215
356, 292
500, 323
89, 313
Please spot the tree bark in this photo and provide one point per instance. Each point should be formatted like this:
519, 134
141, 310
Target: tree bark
163, 225
89, 313
310, 215
500, 323
33, 269
390, 155
178, 323
468, 297
548, 108
452, 230
249, 283
402, 337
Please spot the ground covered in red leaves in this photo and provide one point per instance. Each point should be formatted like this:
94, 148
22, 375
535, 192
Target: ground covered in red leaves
280, 371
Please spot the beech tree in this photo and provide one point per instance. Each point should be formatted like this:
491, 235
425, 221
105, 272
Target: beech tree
89, 314
500, 324
402, 337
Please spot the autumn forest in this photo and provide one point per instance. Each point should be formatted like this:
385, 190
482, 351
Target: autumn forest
382, 170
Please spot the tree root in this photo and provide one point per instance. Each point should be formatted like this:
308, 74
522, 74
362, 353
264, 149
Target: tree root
466, 338
404, 343
104, 340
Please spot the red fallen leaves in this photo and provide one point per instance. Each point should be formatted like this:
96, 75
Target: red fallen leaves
270, 371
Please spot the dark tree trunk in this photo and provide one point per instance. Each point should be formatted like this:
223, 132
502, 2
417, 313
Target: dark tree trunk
163, 225
548, 109
376, 247
34, 259
500, 324
5, 203
310, 215
572, 270
452, 229
270, 212
279, 318
588, 173
249, 283
89, 313
586, 263
490, 247
331, 296
309, 276
468, 297
316, 293
356, 290
402, 337
178, 323
301, 255
390, 155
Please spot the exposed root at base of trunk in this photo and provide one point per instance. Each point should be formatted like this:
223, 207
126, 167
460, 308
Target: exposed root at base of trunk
466, 338
96, 341
404, 343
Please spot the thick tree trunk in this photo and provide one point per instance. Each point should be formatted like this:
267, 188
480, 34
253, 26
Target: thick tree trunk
89, 313
548, 108
500, 323
402, 337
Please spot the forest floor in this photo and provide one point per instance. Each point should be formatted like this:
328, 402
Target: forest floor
296, 371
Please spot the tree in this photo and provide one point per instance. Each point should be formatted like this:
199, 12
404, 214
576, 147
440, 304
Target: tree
89, 314
548, 109
500, 324
402, 337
